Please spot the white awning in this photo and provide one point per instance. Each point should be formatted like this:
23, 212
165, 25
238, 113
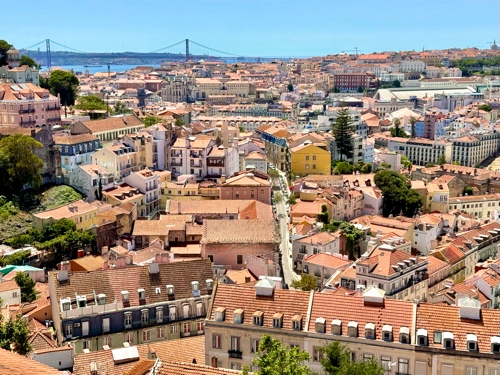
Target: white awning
422, 332
404, 330
370, 326
387, 328
336, 322
320, 320
471, 337
447, 336
495, 340
353, 324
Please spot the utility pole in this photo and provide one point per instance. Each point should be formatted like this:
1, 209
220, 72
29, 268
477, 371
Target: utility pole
49, 63
187, 50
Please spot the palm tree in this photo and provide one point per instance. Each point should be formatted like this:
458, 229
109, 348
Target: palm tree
413, 120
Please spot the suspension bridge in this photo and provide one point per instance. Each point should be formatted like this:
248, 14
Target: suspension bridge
44, 53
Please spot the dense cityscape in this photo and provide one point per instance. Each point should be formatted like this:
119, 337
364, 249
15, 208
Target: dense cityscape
335, 214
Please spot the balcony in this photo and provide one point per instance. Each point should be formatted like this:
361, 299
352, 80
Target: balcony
52, 119
176, 163
53, 108
235, 354
29, 110
194, 155
27, 123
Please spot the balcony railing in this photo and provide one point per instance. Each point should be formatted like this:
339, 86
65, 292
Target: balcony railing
176, 163
235, 354
29, 110
53, 108
27, 123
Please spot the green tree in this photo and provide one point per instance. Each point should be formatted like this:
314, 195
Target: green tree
360, 89
278, 197
151, 120
335, 89
27, 285
468, 190
352, 235
19, 165
290, 87
291, 200
179, 122
26, 60
121, 109
343, 167
273, 173
441, 160
396, 83
336, 361
306, 283
456, 162
485, 107
406, 163
402, 133
272, 358
64, 84
413, 121
91, 103
397, 123
430, 165
362, 167
398, 195
15, 333
323, 216
4, 47
343, 131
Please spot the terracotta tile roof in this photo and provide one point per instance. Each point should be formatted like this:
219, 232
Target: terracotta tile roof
39, 342
353, 308
64, 211
435, 264
450, 254
73, 139
173, 368
111, 282
444, 318
15, 364
246, 179
113, 123
327, 260
286, 302
383, 260
320, 238
87, 263
222, 207
238, 231
142, 367
8, 285
183, 350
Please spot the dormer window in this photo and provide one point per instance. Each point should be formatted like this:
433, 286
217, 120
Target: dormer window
387, 332
352, 329
278, 320
210, 284
158, 290
404, 335
422, 339
495, 345
141, 293
125, 296
336, 327
448, 341
297, 322
170, 290
101, 299
220, 314
319, 326
82, 301
258, 317
66, 304
370, 331
238, 316
471, 342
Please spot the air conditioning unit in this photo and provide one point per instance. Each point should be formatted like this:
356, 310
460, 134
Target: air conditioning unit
77, 325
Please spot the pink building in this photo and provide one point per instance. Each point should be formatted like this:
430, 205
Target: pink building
247, 185
27, 105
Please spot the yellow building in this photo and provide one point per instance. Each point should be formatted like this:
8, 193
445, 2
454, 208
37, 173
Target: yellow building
308, 158
82, 213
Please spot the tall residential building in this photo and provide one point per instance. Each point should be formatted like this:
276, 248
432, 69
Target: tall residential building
189, 155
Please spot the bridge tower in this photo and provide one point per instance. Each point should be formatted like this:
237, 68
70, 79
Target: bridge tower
187, 50
49, 63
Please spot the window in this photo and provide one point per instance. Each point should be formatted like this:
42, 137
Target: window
160, 333
319, 326
159, 314
144, 316
85, 328
235, 366
199, 308
14, 294
146, 335
367, 357
87, 344
105, 324
317, 353
128, 319
235, 343
370, 331
352, 329
437, 337
257, 318
314, 157
470, 370
216, 341
171, 310
385, 361
186, 328
297, 324
106, 340
69, 330
314, 166
307, 157
130, 337
336, 327
254, 345
471, 342
200, 326
387, 332
173, 329
403, 366
239, 259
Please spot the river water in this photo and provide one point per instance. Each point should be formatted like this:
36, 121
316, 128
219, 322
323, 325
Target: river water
101, 68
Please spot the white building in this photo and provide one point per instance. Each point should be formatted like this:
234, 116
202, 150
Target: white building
148, 183
10, 293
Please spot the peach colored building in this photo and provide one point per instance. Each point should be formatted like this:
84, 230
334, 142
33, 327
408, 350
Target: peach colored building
27, 105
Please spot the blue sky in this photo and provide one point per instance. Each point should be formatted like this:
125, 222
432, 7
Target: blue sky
254, 28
